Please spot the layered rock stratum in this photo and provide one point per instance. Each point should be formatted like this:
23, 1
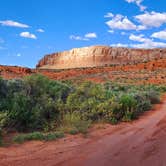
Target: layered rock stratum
96, 56
99, 64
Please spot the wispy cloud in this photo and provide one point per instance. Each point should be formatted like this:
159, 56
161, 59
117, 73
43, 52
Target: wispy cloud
91, 35
145, 42
111, 31
86, 37
18, 55
149, 44
159, 35
28, 35
144, 21
40, 30
11, 23
138, 3
121, 22
109, 15
152, 19
119, 45
74, 37
138, 38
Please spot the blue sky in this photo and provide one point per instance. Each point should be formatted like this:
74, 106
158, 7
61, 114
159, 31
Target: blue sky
29, 29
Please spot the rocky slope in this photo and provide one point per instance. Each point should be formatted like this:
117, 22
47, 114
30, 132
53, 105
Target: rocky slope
99, 56
9, 72
150, 72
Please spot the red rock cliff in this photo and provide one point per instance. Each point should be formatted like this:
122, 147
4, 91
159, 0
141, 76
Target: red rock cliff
9, 72
99, 56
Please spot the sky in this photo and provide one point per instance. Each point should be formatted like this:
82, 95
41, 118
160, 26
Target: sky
29, 29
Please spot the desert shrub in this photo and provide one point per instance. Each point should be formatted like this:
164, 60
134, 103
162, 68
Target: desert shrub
38, 136
28, 137
110, 110
161, 88
128, 106
53, 136
153, 96
3, 117
3, 94
37, 105
143, 104
73, 123
25, 115
85, 100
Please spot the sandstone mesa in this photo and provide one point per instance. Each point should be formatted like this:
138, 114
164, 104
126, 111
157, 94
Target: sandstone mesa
96, 56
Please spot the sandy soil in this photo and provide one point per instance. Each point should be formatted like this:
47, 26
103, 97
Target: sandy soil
140, 143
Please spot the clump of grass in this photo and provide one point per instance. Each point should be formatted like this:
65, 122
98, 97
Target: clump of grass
74, 124
38, 136
53, 136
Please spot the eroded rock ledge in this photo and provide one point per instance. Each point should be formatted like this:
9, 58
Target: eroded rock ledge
99, 56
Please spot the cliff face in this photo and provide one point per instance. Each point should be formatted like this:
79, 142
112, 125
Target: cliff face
9, 72
99, 56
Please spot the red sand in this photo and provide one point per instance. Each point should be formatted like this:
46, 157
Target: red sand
140, 143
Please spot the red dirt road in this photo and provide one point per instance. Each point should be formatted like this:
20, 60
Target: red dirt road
140, 143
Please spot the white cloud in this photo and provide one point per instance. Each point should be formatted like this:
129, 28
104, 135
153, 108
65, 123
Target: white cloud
139, 38
152, 19
141, 27
109, 15
90, 35
73, 37
86, 37
28, 35
145, 42
40, 30
119, 45
18, 54
150, 44
121, 22
159, 35
111, 31
13, 24
138, 3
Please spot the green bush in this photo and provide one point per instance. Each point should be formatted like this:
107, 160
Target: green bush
85, 100
53, 136
73, 123
143, 104
129, 105
38, 136
36, 106
36, 103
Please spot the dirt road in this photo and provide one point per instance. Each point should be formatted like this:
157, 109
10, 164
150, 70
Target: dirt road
140, 143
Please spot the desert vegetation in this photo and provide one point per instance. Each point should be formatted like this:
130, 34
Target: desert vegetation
45, 109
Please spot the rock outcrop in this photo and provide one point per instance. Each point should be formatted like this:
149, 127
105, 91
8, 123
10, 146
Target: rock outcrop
99, 56
9, 72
